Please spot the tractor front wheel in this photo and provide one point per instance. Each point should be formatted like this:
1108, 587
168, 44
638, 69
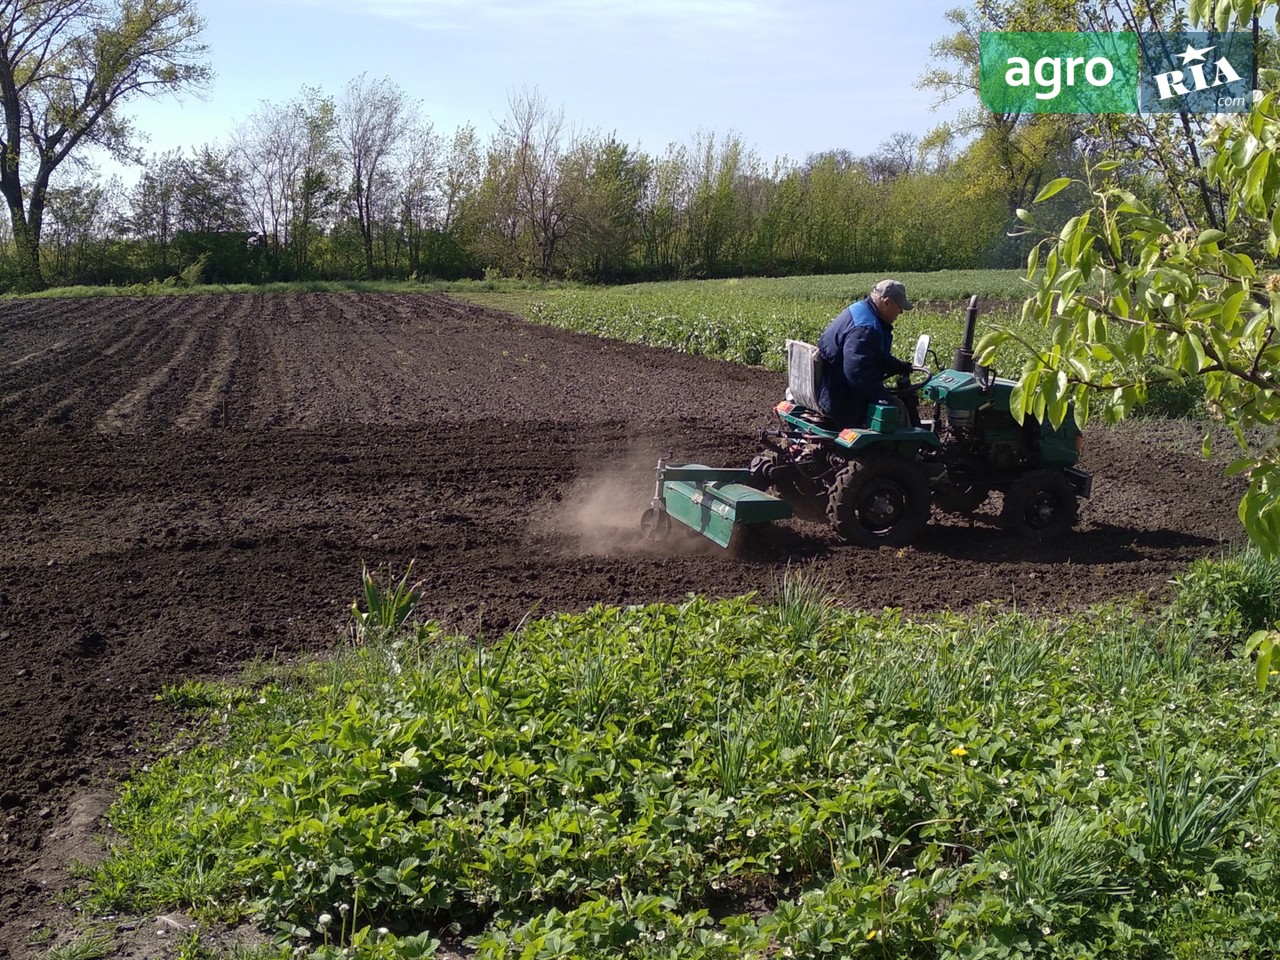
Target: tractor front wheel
880, 502
1040, 506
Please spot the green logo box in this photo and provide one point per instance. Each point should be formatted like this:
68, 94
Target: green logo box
1169, 72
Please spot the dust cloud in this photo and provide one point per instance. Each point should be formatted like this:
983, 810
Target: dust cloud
600, 515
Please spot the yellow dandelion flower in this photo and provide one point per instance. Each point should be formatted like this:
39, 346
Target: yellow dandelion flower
959, 751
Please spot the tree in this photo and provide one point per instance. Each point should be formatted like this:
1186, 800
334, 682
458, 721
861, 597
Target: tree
547, 187
609, 214
65, 67
1131, 298
210, 194
663, 212
895, 158
288, 155
837, 196
420, 199
372, 119
460, 177
715, 173
448, 249
154, 203
212, 242
1020, 151
79, 220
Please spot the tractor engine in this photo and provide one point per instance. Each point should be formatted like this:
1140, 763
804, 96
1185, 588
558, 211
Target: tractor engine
988, 439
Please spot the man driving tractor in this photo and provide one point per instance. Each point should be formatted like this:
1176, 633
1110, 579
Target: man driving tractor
856, 350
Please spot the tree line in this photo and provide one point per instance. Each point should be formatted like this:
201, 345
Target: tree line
362, 186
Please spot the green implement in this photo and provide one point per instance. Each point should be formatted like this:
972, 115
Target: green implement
711, 501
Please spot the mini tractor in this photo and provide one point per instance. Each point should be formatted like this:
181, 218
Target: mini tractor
877, 485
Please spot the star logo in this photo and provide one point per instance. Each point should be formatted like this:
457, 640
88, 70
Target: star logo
1191, 53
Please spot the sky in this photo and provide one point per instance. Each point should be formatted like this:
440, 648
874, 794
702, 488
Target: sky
789, 77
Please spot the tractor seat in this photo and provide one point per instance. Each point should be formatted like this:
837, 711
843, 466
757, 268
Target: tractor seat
804, 374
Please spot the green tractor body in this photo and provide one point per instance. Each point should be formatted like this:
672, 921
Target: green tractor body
964, 396
878, 484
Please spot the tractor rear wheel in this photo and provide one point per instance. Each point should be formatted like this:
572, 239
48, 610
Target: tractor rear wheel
1040, 506
879, 502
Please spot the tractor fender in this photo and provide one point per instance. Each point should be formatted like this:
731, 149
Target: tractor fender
909, 440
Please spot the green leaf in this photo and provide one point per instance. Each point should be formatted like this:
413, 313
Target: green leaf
1231, 312
1210, 236
1052, 188
1243, 151
1113, 236
1257, 176
989, 342
1022, 391
1238, 265
1265, 649
1256, 639
1106, 166
1132, 204
1222, 17
1191, 354
1239, 466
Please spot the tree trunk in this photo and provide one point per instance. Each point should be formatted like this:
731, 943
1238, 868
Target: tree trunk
27, 244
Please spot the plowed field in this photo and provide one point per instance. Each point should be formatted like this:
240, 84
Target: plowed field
188, 483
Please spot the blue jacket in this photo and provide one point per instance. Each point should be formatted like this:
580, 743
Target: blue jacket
856, 351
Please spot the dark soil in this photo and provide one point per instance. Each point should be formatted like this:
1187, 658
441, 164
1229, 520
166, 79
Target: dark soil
190, 483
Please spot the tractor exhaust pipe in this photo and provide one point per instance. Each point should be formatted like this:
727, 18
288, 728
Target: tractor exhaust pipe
963, 360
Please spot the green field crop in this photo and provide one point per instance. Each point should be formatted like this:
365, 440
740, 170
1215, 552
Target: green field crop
750, 320
734, 779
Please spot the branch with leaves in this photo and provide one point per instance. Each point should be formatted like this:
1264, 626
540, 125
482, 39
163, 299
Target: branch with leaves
1129, 300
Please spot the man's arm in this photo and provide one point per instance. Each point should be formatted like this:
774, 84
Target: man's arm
895, 367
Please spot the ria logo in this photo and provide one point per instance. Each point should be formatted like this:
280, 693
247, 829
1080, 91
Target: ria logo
1196, 72
1174, 83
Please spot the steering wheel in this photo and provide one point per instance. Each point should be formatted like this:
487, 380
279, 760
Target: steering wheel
905, 383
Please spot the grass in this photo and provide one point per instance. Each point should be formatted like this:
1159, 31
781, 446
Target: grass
737, 778
91, 946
